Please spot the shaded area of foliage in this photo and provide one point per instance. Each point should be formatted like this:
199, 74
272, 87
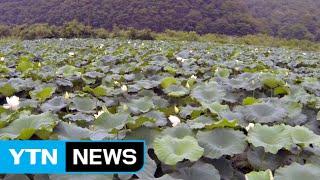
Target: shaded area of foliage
288, 19
75, 29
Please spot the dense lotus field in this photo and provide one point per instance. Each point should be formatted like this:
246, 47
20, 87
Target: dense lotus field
206, 111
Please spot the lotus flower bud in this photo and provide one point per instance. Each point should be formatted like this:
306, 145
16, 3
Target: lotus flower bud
66, 95
176, 109
124, 88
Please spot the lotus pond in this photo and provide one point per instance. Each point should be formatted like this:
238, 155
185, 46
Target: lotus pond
205, 110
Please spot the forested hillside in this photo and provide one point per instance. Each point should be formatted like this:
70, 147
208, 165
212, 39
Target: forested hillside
285, 18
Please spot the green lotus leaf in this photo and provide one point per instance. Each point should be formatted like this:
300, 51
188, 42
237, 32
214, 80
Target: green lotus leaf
261, 160
247, 81
158, 119
272, 81
24, 64
234, 54
141, 105
282, 90
176, 91
318, 116
222, 72
298, 94
147, 84
313, 159
81, 177
250, 101
167, 177
79, 116
303, 136
3, 69
97, 91
221, 142
7, 116
65, 131
208, 93
94, 74
294, 109
110, 121
200, 122
138, 122
83, 104
171, 150
102, 134
297, 171
16, 176
311, 84
27, 125
191, 112
264, 113
22, 84
259, 175
170, 70
7, 90
272, 138
42, 94
68, 71
55, 104
216, 108
179, 131
198, 170
149, 169
222, 123
144, 133
168, 81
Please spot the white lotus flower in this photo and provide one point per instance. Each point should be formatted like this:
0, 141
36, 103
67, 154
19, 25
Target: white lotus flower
124, 88
304, 54
193, 77
237, 68
181, 59
71, 53
12, 103
60, 39
101, 46
174, 120
250, 125
2, 59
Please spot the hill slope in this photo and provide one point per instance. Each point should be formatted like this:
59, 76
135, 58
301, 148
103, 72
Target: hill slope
288, 18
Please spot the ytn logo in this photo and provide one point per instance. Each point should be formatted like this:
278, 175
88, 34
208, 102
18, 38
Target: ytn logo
44, 153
